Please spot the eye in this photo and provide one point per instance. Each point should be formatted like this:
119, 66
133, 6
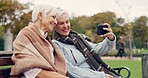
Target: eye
54, 17
60, 23
67, 21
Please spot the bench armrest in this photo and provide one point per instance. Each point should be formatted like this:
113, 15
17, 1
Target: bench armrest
118, 69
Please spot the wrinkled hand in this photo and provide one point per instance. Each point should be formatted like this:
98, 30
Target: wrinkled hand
110, 33
108, 76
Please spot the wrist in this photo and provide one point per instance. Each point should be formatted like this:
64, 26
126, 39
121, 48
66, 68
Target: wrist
111, 38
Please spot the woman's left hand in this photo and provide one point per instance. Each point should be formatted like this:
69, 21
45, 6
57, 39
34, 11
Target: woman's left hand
110, 33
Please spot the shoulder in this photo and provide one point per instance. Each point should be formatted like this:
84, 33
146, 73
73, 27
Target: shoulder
57, 43
24, 30
61, 45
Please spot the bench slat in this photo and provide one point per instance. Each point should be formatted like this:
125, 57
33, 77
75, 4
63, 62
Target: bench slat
6, 61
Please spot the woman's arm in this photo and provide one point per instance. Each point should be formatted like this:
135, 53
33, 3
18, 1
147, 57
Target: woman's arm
103, 47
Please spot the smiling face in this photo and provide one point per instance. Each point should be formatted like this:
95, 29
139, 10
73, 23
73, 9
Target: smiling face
44, 16
63, 25
48, 22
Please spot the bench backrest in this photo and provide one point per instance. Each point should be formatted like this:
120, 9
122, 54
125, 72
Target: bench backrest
5, 63
5, 71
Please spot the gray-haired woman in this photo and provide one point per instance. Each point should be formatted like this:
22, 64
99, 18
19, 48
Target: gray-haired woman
34, 55
66, 40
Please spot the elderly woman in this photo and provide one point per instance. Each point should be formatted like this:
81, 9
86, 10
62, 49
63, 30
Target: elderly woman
75, 60
34, 55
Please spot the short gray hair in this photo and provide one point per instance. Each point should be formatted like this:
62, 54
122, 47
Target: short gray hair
61, 12
44, 9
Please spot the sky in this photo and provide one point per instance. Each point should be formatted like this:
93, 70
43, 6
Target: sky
127, 9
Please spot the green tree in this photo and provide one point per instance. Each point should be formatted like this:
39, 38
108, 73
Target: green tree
104, 17
120, 21
83, 24
88, 25
117, 24
21, 23
1, 33
100, 18
10, 11
14, 15
140, 32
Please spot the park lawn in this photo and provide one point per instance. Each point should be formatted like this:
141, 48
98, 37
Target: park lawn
133, 65
3, 67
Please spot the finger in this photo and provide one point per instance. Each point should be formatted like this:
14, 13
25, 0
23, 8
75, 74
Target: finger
108, 29
107, 25
107, 34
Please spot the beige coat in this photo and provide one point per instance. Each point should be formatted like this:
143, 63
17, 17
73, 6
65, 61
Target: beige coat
33, 51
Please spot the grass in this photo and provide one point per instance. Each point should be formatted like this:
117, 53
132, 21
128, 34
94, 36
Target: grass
3, 67
133, 65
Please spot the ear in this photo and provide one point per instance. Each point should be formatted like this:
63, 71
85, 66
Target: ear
40, 16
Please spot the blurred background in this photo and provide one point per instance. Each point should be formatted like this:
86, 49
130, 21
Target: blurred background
128, 18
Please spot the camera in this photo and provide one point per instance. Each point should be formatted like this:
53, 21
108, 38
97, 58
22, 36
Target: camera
100, 30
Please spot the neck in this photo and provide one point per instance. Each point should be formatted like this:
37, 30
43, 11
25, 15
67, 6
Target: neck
61, 36
40, 26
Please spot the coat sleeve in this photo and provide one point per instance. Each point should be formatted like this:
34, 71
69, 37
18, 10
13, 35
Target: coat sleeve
103, 47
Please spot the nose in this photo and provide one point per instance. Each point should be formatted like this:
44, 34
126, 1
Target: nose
55, 21
65, 24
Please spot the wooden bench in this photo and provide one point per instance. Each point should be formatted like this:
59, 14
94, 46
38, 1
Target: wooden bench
5, 64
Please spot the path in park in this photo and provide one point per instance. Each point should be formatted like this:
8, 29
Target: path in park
118, 58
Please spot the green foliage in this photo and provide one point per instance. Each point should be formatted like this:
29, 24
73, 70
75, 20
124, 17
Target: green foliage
21, 23
100, 18
140, 32
88, 25
10, 11
120, 20
81, 24
1, 33
14, 15
104, 17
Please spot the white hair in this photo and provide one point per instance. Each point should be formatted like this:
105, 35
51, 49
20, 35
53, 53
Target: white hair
44, 9
61, 12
